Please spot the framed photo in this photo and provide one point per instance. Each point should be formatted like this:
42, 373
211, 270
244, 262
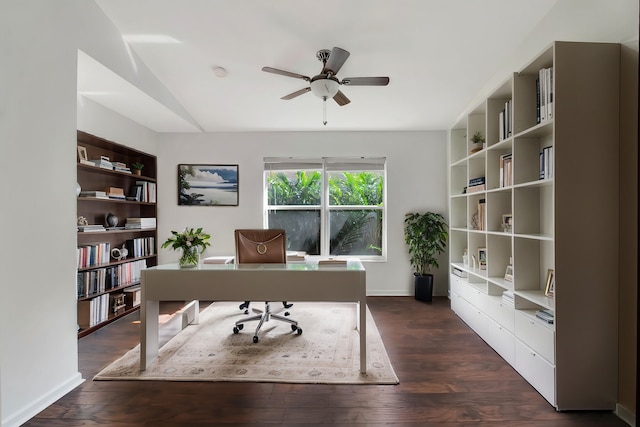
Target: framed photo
550, 286
482, 258
207, 185
507, 223
508, 274
82, 153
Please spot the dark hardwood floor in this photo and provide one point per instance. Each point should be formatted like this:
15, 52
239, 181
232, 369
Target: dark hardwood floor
448, 377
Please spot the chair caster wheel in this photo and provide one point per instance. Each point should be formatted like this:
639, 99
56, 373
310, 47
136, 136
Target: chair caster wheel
299, 331
255, 339
286, 313
246, 312
237, 328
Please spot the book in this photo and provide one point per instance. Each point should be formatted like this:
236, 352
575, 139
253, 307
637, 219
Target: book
475, 188
332, 261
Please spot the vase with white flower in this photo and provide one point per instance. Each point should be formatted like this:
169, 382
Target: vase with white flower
192, 242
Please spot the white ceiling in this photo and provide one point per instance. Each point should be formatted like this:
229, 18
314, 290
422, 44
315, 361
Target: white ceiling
437, 53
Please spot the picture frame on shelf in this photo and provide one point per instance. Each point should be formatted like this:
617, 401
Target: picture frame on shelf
82, 153
508, 274
507, 223
482, 258
550, 285
208, 185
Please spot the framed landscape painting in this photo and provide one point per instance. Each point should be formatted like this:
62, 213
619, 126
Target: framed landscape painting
207, 185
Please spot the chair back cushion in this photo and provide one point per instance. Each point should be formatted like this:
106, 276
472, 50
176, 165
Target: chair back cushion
259, 246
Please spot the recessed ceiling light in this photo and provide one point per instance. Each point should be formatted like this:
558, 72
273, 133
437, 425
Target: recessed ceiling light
220, 72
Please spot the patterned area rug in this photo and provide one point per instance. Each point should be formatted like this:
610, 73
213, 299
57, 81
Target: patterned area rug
326, 352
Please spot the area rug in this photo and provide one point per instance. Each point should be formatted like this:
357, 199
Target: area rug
327, 351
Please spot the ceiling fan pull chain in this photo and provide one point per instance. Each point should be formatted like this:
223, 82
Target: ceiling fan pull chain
324, 110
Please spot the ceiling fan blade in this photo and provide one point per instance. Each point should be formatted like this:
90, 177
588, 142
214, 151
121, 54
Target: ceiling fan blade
341, 99
285, 73
336, 60
296, 93
365, 81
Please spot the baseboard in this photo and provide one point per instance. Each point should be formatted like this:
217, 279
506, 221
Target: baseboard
29, 411
625, 415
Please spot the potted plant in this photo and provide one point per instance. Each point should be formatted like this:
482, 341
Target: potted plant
137, 168
477, 142
192, 243
426, 235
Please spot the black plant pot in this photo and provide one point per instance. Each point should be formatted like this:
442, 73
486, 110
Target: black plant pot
423, 287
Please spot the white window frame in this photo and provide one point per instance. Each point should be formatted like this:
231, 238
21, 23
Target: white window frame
326, 165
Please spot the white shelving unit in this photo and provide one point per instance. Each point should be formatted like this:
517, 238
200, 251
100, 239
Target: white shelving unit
567, 222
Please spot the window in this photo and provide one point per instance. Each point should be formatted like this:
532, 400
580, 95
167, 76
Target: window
330, 206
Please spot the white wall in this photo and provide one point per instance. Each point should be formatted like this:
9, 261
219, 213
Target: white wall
39, 40
416, 181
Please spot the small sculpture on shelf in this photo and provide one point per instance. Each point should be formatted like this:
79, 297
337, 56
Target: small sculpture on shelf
111, 220
120, 253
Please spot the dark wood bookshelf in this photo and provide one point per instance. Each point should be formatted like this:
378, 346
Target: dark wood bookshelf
95, 211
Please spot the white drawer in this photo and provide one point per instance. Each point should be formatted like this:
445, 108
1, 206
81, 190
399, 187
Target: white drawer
537, 371
536, 335
502, 341
459, 286
501, 313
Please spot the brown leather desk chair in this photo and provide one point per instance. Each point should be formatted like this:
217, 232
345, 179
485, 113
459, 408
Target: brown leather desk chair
260, 246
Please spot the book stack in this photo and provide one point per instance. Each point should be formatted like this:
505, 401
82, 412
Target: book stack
296, 255
90, 228
505, 121
459, 272
140, 223
121, 167
94, 194
476, 185
546, 163
93, 311
141, 246
546, 315
506, 170
103, 162
508, 298
115, 193
544, 95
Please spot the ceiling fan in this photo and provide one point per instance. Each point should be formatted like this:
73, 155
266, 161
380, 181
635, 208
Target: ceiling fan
326, 85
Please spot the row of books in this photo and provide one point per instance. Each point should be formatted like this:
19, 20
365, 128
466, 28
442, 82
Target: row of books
546, 163
506, 170
140, 223
94, 254
476, 185
94, 311
141, 246
482, 214
144, 191
505, 121
544, 95
94, 194
100, 280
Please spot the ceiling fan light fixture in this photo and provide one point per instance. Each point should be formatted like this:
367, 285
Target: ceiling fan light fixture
325, 88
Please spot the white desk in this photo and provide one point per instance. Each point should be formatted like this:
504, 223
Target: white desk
253, 282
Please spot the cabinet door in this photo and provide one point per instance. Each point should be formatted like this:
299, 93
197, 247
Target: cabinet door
537, 371
536, 335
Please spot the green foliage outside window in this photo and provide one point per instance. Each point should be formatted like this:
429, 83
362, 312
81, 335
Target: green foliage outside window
352, 231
